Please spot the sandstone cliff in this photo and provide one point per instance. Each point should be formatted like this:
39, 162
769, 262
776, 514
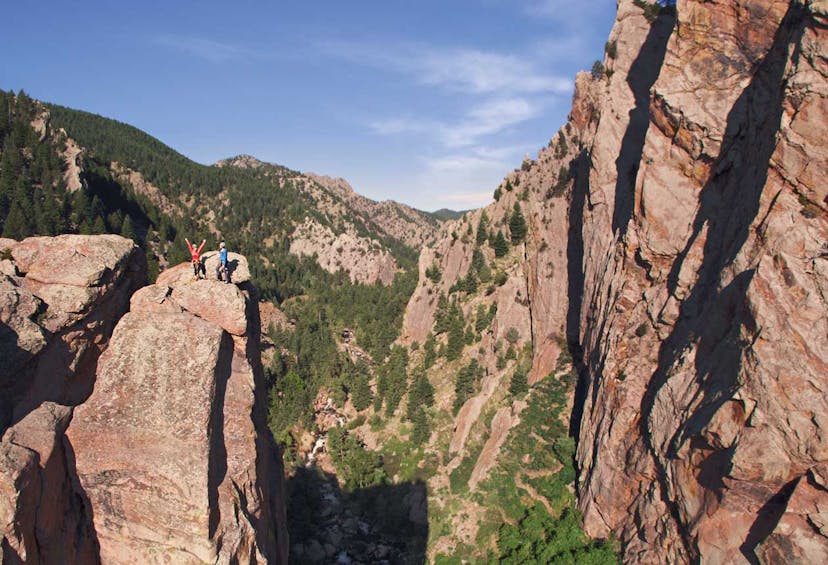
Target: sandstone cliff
156, 450
177, 386
676, 249
703, 317
59, 303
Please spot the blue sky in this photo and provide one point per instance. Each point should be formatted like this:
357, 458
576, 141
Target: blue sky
430, 103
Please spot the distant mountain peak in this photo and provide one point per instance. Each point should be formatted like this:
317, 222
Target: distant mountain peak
242, 161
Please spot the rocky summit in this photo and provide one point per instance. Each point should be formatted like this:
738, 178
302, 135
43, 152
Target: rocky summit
155, 450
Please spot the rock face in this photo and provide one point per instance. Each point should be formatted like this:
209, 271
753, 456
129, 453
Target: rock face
703, 320
155, 450
389, 218
676, 247
59, 302
364, 260
172, 448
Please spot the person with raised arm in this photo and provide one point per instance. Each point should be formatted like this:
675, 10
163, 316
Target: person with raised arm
195, 253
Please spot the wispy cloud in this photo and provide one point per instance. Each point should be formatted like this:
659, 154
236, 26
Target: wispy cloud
489, 118
481, 72
484, 119
208, 49
470, 71
478, 157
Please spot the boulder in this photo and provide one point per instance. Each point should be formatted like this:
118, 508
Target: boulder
75, 260
55, 320
182, 384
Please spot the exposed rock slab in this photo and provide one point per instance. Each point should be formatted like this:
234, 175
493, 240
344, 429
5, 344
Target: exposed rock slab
182, 384
365, 260
157, 505
183, 272
54, 323
703, 318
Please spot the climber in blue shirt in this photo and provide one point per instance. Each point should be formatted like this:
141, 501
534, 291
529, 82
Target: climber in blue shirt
222, 267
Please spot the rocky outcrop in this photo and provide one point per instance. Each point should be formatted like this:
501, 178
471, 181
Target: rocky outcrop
59, 302
391, 219
336, 200
703, 319
365, 260
181, 385
676, 249
155, 449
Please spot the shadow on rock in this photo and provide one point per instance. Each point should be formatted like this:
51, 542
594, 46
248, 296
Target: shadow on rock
378, 524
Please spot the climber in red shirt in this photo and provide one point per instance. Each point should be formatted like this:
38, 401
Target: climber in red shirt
195, 253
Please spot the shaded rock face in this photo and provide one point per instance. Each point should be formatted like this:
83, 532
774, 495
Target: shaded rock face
59, 303
172, 448
685, 269
169, 457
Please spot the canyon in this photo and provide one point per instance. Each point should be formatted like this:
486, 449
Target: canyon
650, 346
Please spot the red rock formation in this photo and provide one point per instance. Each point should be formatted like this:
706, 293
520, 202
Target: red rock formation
388, 218
685, 268
55, 319
170, 456
704, 316
172, 447
364, 259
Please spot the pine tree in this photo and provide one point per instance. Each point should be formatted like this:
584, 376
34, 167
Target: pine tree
465, 384
98, 227
429, 351
361, 393
520, 383
420, 395
457, 335
517, 225
4, 115
153, 268
501, 247
482, 228
128, 229
478, 260
421, 430
16, 225
441, 316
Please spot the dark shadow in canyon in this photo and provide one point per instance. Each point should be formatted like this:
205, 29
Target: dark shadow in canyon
642, 75
716, 319
575, 286
85, 535
369, 525
13, 379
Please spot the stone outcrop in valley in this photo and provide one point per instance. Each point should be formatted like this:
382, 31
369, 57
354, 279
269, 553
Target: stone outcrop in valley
155, 449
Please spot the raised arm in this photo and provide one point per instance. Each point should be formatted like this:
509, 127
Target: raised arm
200, 247
189, 245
